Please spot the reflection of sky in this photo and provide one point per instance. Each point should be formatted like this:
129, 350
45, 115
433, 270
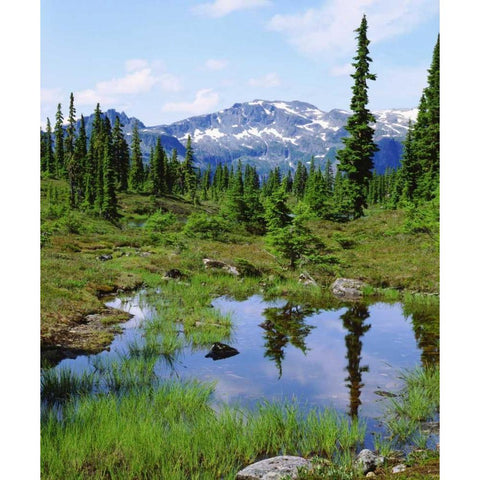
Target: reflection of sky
316, 378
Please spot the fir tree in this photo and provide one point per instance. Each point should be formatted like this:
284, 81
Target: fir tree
48, 163
137, 170
188, 173
59, 148
120, 155
80, 155
69, 143
109, 198
158, 169
300, 180
93, 168
356, 159
71, 161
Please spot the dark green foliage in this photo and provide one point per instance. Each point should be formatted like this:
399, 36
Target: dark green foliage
287, 234
356, 159
300, 180
160, 221
137, 171
59, 148
109, 198
47, 158
206, 226
93, 168
189, 177
421, 159
121, 156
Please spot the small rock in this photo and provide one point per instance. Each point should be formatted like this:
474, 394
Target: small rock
104, 258
275, 468
306, 279
399, 468
347, 288
368, 461
221, 350
173, 273
209, 263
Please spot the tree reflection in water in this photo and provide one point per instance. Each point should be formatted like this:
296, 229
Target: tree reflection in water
354, 322
285, 325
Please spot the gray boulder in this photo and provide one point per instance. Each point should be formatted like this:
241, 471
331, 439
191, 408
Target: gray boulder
216, 264
347, 288
274, 468
368, 461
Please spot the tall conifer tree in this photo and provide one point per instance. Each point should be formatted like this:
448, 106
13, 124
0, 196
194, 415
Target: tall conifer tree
59, 147
356, 159
137, 170
120, 155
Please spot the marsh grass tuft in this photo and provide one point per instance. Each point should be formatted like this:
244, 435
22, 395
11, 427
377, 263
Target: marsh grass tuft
173, 432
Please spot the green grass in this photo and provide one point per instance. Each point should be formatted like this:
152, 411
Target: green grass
173, 432
418, 401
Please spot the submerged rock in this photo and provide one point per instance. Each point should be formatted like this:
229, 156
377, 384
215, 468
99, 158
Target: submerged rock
368, 461
275, 468
221, 350
347, 288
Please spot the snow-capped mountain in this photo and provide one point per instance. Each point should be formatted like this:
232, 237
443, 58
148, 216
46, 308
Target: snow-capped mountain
270, 133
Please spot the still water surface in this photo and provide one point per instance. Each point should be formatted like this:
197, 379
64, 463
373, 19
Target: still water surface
328, 358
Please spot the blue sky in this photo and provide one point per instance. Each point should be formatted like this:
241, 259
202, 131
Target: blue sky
163, 61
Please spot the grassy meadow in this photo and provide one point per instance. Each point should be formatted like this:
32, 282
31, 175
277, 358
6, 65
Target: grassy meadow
121, 421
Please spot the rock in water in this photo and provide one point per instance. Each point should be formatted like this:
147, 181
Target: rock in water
220, 350
275, 468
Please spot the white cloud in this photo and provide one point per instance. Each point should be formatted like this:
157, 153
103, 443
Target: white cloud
407, 82
214, 64
140, 78
136, 82
170, 83
220, 8
135, 64
341, 70
205, 101
50, 96
267, 81
329, 28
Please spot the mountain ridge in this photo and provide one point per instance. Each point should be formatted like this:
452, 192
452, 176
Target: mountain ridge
268, 133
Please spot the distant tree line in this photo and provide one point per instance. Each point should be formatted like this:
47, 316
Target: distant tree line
100, 167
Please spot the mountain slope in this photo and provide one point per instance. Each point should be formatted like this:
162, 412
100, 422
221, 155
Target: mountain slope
270, 133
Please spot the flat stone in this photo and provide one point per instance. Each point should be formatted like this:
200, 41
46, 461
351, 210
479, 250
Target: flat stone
274, 468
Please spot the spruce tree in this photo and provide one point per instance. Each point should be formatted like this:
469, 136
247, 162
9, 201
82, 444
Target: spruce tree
48, 164
300, 180
137, 170
72, 167
93, 167
188, 173
158, 169
356, 158
109, 198
80, 154
59, 147
121, 156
